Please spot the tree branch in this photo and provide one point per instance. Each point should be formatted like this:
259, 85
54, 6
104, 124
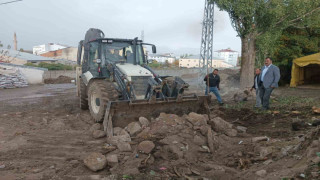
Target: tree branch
308, 13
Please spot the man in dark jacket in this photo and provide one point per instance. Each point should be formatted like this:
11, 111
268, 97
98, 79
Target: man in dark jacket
214, 81
256, 87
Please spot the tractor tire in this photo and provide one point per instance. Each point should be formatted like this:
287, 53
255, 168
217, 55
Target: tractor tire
83, 96
100, 92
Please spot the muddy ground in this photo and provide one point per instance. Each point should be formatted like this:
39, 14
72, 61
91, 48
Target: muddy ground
45, 135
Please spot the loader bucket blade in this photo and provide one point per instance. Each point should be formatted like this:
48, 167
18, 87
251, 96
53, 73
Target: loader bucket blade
121, 113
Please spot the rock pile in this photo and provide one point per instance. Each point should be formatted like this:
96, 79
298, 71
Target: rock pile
172, 145
16, 80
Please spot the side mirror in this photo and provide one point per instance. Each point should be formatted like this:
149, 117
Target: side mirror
154, 49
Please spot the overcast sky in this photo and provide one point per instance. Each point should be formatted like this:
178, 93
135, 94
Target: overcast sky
173, 25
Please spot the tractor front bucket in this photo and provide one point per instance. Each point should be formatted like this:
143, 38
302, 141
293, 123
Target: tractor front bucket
121, 113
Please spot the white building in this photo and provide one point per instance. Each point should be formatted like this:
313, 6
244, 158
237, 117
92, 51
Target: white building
40, 49
162, 58
229, 56
193, 62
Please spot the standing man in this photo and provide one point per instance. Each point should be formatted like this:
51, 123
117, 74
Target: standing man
269, 79
256, 87
213, 83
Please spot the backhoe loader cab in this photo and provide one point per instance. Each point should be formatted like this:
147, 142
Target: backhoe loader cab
114, 82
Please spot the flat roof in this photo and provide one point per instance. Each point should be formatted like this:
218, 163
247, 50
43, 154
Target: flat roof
24, 55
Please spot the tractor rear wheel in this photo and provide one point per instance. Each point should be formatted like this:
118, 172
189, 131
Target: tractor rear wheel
83, 96
100, 92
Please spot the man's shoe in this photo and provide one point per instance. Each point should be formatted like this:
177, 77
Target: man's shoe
221, 104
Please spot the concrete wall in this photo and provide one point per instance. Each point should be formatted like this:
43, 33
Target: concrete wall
32, 74
66, 53
56, 74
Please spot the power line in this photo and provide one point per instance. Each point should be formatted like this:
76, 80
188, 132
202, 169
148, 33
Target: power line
10, 2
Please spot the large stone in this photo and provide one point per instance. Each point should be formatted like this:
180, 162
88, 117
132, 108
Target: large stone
197, 119
112, 159
146, 146
124, 133
261, 173
222, 126
133, 128
98, 134
124, 146
242, 129
144, 121
95, 161
259, 139
145, 133
96, 126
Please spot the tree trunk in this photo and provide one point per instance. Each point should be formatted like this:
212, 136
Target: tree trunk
248, 55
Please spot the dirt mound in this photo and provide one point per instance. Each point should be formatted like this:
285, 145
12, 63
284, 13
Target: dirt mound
59, 80
181, 147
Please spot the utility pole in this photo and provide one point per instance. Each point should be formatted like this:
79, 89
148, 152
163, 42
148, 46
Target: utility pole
206, 49
15, 42
142, 35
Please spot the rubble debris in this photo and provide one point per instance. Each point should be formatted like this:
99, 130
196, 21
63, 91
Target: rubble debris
296, 112
242, 129
197, 119
15, 80
220, 125
95, 161
98, 134
144, 121
112, 159
210, 140
261, 173
146, 146
133, 128
60, 80
316, 110
259, 139
124, 146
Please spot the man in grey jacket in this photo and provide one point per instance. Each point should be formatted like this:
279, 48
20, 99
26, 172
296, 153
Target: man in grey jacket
269, 78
